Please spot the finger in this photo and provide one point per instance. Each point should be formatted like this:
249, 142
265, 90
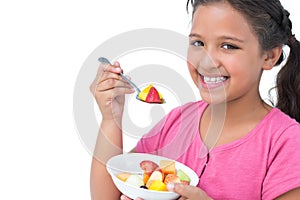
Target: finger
107, 74
182, 198
123, 197
108, 91
115, 68
116, 63
112, 94
186, 191
104, 72
110, 84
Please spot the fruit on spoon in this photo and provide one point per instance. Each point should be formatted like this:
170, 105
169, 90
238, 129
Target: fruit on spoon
150, 95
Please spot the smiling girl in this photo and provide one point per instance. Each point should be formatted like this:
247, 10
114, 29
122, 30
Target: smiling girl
241, 147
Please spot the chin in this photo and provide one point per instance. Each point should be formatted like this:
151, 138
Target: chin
213, 99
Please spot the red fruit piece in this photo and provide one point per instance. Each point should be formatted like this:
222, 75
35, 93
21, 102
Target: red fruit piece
148, 166
153, 96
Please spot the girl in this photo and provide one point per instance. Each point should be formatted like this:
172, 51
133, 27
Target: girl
240, 147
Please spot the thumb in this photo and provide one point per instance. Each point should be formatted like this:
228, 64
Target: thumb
187, 191
183, 190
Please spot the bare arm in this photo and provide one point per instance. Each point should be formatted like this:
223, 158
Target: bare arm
109, 90
290, 195
109, 143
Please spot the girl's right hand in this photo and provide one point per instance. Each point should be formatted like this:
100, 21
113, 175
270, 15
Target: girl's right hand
109, 90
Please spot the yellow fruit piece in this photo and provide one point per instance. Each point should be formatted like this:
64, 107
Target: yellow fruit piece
123, 176
160, 95
143, 94
156, 175
157, 185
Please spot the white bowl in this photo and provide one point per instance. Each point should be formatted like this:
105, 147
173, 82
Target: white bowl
131, 163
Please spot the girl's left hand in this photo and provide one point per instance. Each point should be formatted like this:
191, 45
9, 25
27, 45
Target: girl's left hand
188, 192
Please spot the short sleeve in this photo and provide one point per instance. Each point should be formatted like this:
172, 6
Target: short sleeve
283, 172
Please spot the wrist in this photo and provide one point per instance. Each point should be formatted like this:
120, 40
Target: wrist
109, 141
206, 197
113, 125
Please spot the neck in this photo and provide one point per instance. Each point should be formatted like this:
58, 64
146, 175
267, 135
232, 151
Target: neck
225, 122
238, 110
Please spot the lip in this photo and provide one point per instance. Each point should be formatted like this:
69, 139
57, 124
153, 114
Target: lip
212, 86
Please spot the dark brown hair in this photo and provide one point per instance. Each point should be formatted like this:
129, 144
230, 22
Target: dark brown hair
273, 28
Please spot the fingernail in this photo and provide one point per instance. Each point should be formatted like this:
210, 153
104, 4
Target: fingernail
118, 70
170, 187
116, 63
122, 197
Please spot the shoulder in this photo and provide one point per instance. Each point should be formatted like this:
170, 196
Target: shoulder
283, 169
280, 122
281, 134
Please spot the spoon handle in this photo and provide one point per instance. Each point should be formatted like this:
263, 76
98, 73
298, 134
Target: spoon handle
105, 60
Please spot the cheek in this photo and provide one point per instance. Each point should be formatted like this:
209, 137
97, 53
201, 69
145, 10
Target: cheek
192, 57
192, 62
193, 72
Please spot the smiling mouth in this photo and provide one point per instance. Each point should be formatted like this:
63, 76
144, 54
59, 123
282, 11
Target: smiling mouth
213, 81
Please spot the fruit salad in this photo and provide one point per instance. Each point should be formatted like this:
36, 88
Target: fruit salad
156, 176
150, 95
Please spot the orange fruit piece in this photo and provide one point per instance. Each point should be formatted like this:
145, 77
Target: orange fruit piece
168, 166
123, 176
146, 178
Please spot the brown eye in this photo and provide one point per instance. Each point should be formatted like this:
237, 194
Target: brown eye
229, 46
197, 43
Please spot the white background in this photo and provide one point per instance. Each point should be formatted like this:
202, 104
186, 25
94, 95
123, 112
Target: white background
43, 45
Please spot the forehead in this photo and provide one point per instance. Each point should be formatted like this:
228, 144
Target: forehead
220, 16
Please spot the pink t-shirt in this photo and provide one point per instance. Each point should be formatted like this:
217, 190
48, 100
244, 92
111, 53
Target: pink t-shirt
263, 164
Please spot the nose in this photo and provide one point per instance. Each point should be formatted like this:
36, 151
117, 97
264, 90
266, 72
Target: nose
208, 59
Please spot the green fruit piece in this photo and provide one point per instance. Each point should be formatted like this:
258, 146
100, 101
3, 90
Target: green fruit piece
183, 176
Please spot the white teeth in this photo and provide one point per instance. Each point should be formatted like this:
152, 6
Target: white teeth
214, 80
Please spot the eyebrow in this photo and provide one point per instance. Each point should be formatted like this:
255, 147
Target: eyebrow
194, 35
222, 37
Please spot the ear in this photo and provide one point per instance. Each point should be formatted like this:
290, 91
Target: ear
271, 57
